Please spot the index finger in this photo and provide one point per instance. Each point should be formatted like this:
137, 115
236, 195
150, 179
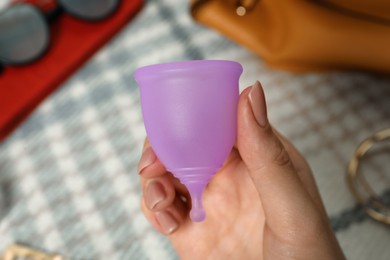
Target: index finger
149, 165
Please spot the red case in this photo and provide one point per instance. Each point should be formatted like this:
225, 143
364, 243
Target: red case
72, 43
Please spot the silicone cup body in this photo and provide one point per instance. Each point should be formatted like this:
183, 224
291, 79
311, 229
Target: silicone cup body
190, 115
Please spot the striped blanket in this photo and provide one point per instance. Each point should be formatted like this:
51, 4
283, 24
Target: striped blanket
68, 178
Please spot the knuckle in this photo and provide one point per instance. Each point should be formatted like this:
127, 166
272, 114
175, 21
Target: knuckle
281, 156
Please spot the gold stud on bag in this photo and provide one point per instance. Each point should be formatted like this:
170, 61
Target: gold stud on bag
245, 6
19, 252
361, 190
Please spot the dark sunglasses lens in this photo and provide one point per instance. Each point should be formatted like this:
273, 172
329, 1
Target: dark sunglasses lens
90, 9
23, 34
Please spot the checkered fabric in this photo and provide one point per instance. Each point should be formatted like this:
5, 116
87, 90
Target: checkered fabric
68, 177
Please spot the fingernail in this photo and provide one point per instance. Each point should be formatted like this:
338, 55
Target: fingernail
167, 222
148, 158
155, 193
257, 100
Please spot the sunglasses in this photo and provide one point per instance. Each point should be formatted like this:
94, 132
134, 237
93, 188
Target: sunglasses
24, 28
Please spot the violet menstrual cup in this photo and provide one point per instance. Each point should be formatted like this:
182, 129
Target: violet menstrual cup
190, 115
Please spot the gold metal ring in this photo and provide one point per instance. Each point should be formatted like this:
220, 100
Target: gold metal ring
373, 205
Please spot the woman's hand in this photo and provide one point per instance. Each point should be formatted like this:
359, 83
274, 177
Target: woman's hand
262, 204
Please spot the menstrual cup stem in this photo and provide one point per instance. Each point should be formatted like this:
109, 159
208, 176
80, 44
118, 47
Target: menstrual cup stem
196, 189
196, 180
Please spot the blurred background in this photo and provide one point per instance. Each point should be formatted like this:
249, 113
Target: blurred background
68, 178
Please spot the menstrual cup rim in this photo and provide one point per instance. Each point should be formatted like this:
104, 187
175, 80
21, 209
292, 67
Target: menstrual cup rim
180, 66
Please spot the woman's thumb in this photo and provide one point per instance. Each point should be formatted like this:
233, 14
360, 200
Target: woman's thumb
257, 143
270, 167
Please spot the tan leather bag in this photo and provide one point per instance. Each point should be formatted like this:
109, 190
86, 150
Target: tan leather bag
304, 35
